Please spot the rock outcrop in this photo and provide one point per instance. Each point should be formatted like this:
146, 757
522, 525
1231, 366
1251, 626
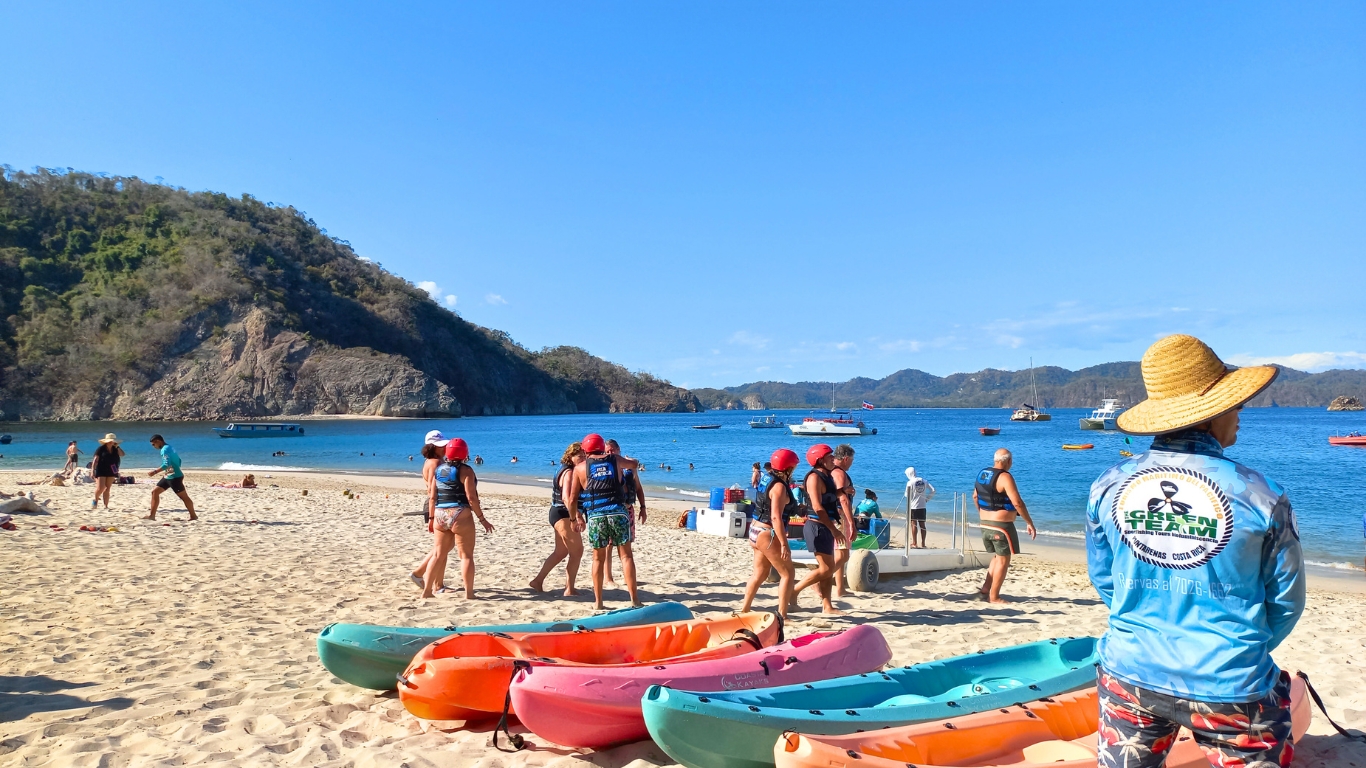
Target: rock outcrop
1345, 403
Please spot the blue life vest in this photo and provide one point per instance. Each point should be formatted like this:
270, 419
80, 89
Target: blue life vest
988, 498
601, 494
450, 491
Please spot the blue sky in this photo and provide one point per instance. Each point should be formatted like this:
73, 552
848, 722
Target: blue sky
719, 193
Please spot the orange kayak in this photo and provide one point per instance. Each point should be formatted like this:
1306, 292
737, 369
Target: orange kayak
1058, 733
466, 676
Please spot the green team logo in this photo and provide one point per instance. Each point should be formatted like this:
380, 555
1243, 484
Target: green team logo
1172, 517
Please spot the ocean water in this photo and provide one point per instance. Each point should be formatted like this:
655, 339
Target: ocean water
1289, 444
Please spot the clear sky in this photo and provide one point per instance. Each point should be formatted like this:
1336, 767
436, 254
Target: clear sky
725, 192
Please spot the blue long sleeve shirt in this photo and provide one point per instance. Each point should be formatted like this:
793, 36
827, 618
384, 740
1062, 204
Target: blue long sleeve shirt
1198, 559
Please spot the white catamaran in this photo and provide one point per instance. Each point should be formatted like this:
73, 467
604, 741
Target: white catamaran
1028, 412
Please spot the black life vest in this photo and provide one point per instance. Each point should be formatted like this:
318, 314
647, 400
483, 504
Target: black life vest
450, 491
988, 498
557, 495
764, 504
601, 494
628, 487
830, 499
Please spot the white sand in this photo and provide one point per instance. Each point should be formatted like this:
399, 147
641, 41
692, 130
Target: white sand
194, 643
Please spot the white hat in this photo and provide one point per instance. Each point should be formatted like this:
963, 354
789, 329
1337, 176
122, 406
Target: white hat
436, 438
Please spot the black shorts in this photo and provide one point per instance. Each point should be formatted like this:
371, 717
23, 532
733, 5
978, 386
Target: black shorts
176, 484
918, 514
818, 537
557, 514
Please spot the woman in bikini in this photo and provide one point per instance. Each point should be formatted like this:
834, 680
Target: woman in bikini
768, 531
433, 448
454, 498
568, 541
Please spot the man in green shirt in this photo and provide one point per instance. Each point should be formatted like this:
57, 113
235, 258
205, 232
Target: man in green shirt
174, 479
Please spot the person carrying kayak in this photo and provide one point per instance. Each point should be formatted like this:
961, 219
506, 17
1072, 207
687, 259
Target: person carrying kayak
1198, 559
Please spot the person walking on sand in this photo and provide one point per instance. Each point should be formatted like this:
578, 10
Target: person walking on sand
1198, 560
73, 457
433, 450
768, 532
454, 500
844, 486
819, 531
998, 504
595, 502
918, 495
172, 478
632, 492
106, 467
568, 540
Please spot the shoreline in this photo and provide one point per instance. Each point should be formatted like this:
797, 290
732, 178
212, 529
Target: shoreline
1048, 548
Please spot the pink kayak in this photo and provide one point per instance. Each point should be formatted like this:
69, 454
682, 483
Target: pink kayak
600, 706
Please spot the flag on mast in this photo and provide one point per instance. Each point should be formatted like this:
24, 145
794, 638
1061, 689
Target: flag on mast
867, 406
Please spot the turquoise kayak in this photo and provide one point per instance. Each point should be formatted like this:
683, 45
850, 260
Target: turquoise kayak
737, 729
374, 657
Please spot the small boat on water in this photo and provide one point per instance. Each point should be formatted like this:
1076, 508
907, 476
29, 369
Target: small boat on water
770, 421
706, 426
1351, 438
261, 429
1102, 417
989, 431
837, 424
1078, 446
1028, 412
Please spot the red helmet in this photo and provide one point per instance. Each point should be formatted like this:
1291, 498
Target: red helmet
783, 460
457, 450
815, 453
593, 443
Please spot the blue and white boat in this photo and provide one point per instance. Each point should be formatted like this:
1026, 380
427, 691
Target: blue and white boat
261, 429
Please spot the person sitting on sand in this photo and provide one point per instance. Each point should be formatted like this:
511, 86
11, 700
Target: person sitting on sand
768, 531
568, 540
820, 531
454, 498
173, 478
595, 505
1198, 560
998, 504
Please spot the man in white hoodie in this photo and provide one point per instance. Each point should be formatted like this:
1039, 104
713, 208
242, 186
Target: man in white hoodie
918, 494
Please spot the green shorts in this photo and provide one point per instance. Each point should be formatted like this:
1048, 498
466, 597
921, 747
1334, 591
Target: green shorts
1000, 538
609, 531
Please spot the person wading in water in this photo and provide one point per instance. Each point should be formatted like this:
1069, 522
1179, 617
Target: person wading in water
998, 504
819, 530
595, 503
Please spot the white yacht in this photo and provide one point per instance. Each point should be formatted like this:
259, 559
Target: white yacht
770, 421
837, 424
1102, 417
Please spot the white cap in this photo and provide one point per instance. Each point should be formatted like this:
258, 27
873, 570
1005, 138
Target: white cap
436, 438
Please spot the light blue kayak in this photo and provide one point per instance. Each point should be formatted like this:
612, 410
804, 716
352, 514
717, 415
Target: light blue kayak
737, 729
373, 657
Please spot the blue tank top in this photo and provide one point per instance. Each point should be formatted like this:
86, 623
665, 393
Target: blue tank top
601, 494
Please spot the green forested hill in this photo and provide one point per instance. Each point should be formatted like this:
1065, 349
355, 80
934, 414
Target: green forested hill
124, 299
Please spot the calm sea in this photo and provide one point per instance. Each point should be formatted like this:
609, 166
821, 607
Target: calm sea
1288, 444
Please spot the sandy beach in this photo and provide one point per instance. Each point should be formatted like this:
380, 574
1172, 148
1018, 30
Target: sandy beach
177, 643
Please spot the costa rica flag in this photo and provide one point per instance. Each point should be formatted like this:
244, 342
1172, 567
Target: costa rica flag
867, 406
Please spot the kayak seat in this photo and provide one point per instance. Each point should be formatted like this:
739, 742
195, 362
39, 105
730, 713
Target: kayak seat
903, 700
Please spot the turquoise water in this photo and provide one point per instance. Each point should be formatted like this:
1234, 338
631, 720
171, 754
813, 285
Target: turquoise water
1289, 444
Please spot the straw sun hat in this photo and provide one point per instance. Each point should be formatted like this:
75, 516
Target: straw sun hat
109, 438
1187, 385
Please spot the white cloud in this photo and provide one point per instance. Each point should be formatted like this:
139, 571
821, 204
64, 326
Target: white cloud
450, 300
900, 345
494, 298
762, 369
748, 339
1306, 361
431, 288
845, 346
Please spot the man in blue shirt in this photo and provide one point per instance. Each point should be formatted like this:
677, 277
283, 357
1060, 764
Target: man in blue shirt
174, 479
1198, 559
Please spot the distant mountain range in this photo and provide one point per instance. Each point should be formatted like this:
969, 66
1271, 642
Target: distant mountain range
991, 388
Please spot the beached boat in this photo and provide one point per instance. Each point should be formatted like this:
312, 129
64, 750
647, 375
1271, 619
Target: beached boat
1102, 417
989, 431
1351, 438
597, 707
737, 729
1058, 731
837, 424
770, 421
1078, 446
261, 429
706, 426
466, 677
372, 656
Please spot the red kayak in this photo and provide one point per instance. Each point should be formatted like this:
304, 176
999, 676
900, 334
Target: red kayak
1353, 439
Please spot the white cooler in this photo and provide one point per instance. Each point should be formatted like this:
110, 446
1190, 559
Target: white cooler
719, 522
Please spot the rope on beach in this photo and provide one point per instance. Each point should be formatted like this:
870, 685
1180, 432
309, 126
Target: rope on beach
1315, 696
515, 740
